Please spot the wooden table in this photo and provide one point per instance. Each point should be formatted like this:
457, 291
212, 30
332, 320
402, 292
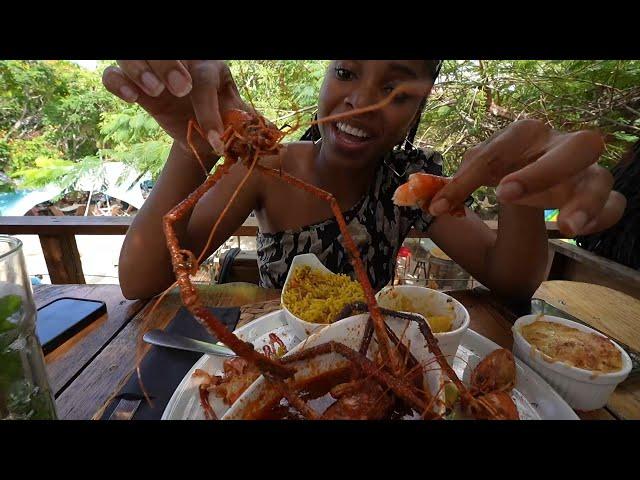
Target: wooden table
90, 368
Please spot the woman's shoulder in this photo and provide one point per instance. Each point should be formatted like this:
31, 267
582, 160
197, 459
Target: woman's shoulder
296, 158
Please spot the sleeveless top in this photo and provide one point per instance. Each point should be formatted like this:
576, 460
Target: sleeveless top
377, 225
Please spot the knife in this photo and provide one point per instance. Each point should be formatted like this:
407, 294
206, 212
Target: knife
170, 340
125, 410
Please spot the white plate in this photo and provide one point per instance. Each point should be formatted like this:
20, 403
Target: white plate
348, 332
534, 397
185, 401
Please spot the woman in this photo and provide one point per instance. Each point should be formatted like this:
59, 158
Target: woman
621, 242
361, 162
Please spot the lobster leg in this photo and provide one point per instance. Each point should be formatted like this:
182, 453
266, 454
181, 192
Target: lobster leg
191, 126
389, 356
432, 342
398, 386
189, 294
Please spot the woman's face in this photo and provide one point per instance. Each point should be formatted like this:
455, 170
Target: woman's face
351, 84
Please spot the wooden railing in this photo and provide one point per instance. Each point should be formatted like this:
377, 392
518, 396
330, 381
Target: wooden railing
57, 238
571, 262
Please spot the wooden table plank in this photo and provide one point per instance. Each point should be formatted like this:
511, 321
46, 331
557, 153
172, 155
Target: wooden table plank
92, 390
66, 361
614, 313
571, 262
484, 318
600, 414
625, 400
103, 377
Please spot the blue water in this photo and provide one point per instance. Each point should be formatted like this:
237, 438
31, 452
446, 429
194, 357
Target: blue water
18, 203
9, 201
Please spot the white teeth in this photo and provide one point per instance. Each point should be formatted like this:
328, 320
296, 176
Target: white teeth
356, 132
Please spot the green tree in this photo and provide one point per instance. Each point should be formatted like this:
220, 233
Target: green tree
57, 121
474, 99
49, 118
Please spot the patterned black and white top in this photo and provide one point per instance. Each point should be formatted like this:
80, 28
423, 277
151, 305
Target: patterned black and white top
377, 225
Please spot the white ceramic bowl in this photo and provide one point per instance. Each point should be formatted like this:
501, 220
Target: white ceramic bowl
437, 303
582, 389
301, 328
349, 332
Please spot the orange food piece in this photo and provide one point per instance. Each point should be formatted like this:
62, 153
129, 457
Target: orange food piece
420, 190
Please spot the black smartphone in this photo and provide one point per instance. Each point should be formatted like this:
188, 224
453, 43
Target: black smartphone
61, 319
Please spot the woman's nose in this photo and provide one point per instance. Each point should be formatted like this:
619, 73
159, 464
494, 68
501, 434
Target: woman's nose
361, 97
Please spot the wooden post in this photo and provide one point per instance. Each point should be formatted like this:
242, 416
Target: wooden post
63, 258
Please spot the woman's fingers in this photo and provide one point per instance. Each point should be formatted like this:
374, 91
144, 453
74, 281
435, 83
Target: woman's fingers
205, 101
139, 72
567, 156
118, 84
173, 74
486, 164
610, 214
589, 198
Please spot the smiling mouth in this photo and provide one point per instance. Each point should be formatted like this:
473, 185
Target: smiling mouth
353, 133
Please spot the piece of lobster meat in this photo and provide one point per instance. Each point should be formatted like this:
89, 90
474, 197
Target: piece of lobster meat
420, 189
238, 376
359, 400
495, 373
494, 406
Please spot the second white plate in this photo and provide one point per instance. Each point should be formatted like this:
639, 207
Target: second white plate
535, 399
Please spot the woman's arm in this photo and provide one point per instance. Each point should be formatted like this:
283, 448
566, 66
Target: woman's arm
145, 266
534, 168
512, 262
175, 92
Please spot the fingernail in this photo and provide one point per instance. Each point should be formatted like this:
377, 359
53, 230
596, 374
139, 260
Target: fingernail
510, 191
590, 226
576, 221
128, 94
178, 83
215, 142
151, 83
439, 207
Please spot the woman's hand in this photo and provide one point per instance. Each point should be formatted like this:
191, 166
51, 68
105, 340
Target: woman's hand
533, 165
175, 91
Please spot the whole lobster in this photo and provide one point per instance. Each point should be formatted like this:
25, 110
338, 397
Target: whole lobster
247, 137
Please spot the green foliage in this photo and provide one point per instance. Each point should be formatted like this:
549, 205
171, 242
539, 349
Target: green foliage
133, 137
46, 170
474, 99
281, 88
57, 121
50, 113
9, 304
25, 152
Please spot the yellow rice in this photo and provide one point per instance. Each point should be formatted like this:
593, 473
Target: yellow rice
318, 297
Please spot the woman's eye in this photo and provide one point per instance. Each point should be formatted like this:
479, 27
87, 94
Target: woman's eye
343, 74
399, 98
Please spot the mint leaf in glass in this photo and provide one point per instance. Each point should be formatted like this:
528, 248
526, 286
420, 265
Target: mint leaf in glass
9, 304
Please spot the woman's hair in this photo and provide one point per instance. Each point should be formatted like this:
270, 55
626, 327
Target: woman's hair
313, 133
621, 242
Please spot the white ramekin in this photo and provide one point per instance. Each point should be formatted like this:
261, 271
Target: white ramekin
582, 389
439, 304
